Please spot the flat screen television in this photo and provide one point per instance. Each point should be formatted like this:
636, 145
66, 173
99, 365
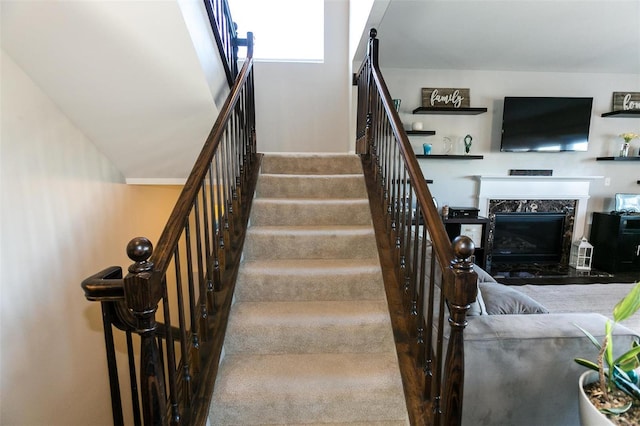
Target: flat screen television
545, 124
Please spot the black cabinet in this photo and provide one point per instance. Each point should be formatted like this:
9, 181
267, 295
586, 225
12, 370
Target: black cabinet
474, 228
616, 242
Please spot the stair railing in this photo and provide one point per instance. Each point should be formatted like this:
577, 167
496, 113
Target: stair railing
224, 33
176, 296
436, 277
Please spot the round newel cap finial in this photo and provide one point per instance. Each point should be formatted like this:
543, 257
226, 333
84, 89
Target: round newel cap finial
463, 247
373, 33
139, 250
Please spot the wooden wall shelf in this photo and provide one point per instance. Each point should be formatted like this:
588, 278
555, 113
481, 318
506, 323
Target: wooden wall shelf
452, 111
626, 114
421, 132
618, 158
451, 157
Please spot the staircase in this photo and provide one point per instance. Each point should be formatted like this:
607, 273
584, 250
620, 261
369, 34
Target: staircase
309, 340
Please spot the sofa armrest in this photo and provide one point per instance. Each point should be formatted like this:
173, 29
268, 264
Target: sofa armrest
520, 369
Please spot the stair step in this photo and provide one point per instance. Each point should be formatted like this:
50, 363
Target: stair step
368, 423
310, 279
294, 212
310, 242
309, 340
309, 327
311, 186
302, 388
305, 164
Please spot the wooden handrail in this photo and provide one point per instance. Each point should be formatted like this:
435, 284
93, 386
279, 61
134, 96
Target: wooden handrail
171, 234
177, 296
436, 277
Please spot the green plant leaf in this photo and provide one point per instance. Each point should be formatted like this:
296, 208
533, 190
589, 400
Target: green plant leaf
590, 336
628, 360
616, 410
586, 363
608, 353
629, 305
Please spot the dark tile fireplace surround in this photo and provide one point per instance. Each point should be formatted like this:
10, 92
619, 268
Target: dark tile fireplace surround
534, 268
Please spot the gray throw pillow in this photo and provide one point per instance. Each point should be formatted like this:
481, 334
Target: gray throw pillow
483, 276
501, 299
477, 307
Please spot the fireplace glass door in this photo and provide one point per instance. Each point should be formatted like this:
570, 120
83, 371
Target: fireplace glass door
528, 237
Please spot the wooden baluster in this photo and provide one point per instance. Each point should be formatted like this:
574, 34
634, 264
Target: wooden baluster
460, 295
143, 291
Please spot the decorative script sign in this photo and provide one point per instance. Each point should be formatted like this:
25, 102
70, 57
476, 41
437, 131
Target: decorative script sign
626, 101
445, 98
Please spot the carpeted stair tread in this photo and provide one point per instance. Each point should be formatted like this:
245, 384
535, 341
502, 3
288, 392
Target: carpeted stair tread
305, 211
305, 164
369, 423
310, 242
309, 339
301, 388
309, 327
310, 279
311, 186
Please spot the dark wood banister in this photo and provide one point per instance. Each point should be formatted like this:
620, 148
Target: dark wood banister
438, 234
171, 234
443, 393
130, 303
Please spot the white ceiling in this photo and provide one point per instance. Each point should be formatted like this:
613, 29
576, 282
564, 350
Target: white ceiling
515, 35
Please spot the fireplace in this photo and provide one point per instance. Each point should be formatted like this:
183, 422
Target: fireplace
564, 196
527, 232
528, 238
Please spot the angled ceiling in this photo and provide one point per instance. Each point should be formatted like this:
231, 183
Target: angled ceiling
126, 73
511, 35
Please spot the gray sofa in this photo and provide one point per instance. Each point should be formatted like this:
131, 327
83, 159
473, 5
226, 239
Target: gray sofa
519, 367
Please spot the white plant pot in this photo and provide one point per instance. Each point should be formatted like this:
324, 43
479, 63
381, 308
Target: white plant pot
589, 415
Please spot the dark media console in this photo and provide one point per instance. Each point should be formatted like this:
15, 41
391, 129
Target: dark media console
616, 242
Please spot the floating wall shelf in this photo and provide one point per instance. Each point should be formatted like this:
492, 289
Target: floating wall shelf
618, 159
626, 114
453, 111
451, 157
421, 132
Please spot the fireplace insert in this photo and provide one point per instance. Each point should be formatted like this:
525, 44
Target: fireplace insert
527, 237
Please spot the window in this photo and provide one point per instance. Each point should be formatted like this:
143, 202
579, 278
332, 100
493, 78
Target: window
284, 30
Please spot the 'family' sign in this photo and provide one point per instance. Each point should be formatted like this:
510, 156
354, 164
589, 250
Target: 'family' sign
445, 98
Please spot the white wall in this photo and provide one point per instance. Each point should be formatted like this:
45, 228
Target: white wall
65, 214
303, 107
453, 182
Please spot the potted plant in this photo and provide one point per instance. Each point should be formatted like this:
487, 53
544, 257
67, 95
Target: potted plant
611, 385
628, 137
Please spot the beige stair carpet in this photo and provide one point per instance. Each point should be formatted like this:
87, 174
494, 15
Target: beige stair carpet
309, 339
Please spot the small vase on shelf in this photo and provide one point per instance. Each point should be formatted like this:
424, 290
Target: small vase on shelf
467, 144
624, 150
627, 137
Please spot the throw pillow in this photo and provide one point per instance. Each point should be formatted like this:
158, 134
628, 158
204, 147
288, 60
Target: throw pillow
483, 276
478, 307
501, 299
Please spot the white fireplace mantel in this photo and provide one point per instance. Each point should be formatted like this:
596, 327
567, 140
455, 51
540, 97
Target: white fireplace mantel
538, 188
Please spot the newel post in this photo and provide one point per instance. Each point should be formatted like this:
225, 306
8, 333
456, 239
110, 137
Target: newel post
460, 295
142, 293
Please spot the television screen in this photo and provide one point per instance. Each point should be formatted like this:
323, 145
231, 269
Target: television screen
545, 124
